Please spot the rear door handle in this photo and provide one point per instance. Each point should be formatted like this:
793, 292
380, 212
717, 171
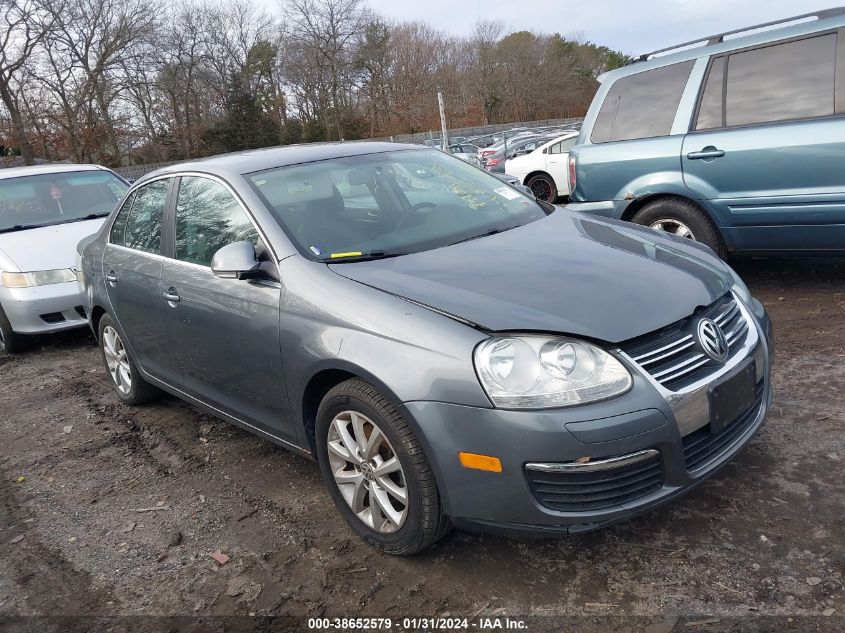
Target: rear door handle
707, 152
171, 296
111, 278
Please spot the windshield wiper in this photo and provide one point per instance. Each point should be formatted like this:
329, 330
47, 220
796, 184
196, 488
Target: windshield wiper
340, 258
485, 234
19, 227
25, 227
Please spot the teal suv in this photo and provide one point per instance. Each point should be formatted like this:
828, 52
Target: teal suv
738, 143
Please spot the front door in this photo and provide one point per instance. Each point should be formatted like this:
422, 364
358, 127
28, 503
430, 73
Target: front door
132, 265
769, 155
224, 332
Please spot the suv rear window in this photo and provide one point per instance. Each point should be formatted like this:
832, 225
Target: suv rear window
789, 81
642, 105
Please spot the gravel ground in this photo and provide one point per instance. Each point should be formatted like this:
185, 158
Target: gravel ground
118, 510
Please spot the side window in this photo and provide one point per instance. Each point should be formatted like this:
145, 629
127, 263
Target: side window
118, 227
143, 227
710, 107
568, 144
794, 80
555, 149
208, 218
641, 105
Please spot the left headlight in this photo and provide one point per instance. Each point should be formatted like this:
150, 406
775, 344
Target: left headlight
38, 278
538, 372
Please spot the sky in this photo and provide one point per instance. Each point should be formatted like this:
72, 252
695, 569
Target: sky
630, 26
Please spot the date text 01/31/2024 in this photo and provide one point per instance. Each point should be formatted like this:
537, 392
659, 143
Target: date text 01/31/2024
418, 624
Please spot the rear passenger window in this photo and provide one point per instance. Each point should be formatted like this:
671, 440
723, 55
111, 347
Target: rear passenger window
118, 227
208, 218
641, 105
143, 226
787, 81
710, 107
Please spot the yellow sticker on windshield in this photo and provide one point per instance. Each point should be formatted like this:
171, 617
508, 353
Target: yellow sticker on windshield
349, 254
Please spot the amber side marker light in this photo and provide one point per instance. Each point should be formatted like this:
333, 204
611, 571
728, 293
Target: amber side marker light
480, 462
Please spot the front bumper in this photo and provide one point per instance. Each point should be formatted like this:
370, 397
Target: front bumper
644, 419
43, 309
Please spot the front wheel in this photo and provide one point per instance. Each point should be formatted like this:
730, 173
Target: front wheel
376, 471
10, 341
124, 374
682, 219
543, 187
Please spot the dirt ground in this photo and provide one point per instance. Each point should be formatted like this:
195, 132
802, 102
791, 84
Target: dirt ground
764, 537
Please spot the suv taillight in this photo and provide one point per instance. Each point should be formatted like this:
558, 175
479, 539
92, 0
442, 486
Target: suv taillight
571, 174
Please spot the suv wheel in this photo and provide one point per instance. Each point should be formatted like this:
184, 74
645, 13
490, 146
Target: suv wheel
10, 341
683, 219
126, 380
543, 187
376, 470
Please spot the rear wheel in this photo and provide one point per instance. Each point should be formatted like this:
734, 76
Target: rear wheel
376, 470
124, 375
543, 187
11, 341
683, 219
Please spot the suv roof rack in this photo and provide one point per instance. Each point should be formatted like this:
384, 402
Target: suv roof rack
720, 37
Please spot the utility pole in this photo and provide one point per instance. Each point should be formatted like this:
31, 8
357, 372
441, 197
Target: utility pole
444, 133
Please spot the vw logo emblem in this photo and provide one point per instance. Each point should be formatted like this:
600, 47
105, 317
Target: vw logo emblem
712, 340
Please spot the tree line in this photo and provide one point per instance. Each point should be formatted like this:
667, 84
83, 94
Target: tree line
132, 81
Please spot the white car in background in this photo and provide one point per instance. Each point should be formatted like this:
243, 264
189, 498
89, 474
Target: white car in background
44, 213
544, 170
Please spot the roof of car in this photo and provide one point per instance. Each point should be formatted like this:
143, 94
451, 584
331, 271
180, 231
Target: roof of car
734, 43
49, 168
258, 159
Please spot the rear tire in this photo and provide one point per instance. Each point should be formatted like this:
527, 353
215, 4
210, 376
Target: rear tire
11, 341
123, 373
543, 187
404, 528
681, 216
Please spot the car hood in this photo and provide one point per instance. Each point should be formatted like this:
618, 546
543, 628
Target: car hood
566, 273
47, 247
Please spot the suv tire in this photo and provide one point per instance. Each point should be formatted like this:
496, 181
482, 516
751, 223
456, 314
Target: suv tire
11, 341
686, 214
353, 413
131, 388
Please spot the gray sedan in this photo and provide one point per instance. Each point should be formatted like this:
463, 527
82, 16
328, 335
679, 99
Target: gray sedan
451, 351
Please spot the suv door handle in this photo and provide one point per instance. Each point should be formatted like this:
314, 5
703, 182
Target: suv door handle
111, 278
707, 152
171, 296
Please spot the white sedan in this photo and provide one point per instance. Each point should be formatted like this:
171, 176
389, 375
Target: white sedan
544, 170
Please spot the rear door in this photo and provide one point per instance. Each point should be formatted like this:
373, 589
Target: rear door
132, 265
767, 146
224, 332
557, 159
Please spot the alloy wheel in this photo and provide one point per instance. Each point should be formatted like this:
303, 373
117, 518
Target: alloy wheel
367, 472
675, 227
541, 188
117, 360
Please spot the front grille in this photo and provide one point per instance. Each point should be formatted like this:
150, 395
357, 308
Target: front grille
52, 317
598, 490
672, 354
702, 446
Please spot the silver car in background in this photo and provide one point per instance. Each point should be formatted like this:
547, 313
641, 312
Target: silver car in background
44, 212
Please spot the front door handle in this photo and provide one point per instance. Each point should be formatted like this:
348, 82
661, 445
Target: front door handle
111, 278
708, 152
171, 296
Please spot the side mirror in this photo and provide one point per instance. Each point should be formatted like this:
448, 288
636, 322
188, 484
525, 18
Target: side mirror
235, 261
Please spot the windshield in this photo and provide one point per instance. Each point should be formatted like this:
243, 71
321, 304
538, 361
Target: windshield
55, 198
388, 204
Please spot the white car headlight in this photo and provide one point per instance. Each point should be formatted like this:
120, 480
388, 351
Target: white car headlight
537, 372
38, 278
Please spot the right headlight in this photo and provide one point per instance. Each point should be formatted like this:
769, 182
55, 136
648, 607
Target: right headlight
37, 278
538, 372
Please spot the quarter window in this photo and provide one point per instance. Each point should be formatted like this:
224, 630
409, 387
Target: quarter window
642, 105
794, 80
208, 218
143, 226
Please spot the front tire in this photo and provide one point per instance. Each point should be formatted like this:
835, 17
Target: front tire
128, 384
683, 219
543, 187
376, 471
10, 341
